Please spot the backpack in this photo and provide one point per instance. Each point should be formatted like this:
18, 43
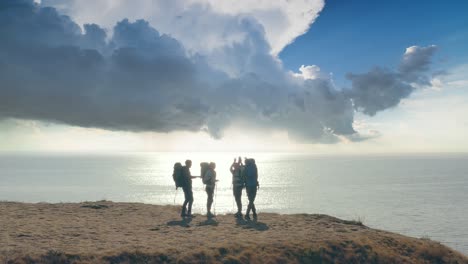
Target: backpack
250, 173
178, 175
204, 167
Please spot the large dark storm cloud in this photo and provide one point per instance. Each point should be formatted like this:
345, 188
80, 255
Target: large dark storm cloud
140, 80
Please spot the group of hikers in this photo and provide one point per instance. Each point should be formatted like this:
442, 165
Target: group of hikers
243, 175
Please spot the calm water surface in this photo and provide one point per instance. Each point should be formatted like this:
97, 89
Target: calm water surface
416, 195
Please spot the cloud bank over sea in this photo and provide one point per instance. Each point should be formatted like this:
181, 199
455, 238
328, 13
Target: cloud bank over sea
214, 66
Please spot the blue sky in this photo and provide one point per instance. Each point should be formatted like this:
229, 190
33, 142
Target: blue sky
353, 36
157, 75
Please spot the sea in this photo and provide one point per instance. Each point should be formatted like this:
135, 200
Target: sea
419, 195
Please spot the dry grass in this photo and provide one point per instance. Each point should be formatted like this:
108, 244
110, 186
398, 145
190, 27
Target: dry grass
107, 232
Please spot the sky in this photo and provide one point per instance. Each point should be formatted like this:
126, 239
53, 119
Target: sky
203, 75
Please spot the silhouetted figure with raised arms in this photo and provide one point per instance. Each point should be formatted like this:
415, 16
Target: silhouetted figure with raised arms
237, 184
187, 188
251, 184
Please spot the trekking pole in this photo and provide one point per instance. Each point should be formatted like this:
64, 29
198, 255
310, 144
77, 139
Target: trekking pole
175, 195
232, 191
216, 194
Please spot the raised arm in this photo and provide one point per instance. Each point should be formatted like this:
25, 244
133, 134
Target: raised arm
233, 168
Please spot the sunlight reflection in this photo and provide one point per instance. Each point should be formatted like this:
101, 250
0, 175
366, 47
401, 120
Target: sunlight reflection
153, 170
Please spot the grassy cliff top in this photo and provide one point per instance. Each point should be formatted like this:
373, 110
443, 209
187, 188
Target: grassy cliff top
108, 232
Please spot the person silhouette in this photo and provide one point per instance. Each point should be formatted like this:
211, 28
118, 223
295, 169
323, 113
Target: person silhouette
210, 183
251, 185
237, 184
187, 188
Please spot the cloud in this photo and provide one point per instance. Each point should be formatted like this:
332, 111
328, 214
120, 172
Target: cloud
377, 90
138, 79
382, 88
202, 25
309, 72
282, 20
137, 82
416, 61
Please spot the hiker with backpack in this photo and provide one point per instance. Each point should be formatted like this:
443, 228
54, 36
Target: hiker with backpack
250, 175
237, 184
183, 178
209, 179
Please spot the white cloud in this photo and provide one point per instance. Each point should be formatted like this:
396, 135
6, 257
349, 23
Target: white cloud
455, 78
201, 25
283, 20
310, 72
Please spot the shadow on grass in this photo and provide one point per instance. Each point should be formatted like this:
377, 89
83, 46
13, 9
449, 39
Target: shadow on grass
249, 224
185, 222
210, 221
95, 206
138, 257
52, 256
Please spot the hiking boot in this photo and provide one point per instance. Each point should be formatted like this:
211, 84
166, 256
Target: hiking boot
210, 215
247, 217
255, 216
183, 213
238, 215
190, 215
